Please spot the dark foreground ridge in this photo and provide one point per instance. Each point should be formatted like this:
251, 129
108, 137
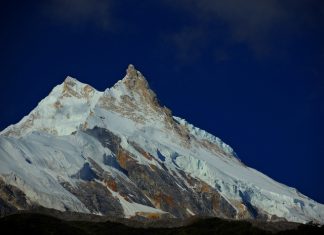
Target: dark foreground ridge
34, 223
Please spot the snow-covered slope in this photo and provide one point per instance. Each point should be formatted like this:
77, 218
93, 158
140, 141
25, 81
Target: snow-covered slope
61, 112
137, 159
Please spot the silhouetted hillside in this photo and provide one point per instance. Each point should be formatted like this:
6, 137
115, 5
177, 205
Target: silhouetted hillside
28, 223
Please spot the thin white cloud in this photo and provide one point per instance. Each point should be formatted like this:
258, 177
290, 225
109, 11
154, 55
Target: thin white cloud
80, 12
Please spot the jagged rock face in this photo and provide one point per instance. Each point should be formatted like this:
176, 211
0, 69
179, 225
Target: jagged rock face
146, 185
120, 153
12, 199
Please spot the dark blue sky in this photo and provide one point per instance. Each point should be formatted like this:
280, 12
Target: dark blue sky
248, 71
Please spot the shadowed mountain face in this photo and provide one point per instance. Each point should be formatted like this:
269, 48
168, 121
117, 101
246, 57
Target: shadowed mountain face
44, 224
120, 153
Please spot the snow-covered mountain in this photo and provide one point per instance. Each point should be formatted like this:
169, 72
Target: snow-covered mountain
120, 153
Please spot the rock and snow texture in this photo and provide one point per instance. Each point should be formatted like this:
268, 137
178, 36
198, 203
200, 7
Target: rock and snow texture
119, 152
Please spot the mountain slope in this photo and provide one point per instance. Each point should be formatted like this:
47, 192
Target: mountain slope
120, 153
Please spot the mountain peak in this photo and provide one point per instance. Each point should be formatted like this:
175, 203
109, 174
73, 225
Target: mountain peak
135, 82
131, 72
70, 79
114, 145
133, 77
73, 87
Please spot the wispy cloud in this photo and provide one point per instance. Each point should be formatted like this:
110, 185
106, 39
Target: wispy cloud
249, 21
254, 23
189, 41
80, 12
